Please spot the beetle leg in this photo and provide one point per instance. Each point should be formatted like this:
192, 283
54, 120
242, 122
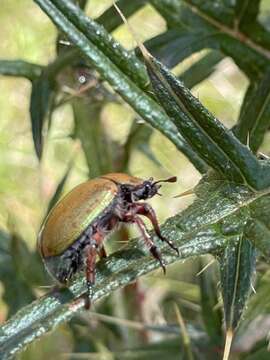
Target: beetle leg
148, 241
102, 252
147, 210
91, 253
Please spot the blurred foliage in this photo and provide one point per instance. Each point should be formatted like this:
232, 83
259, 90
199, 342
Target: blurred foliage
80, 99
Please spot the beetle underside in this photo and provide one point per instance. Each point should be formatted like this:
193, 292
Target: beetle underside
83, 252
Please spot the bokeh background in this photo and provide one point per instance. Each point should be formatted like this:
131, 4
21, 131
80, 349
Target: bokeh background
27, 185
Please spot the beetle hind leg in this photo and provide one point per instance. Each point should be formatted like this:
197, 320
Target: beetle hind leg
91, 253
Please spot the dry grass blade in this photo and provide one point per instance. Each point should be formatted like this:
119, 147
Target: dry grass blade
228, 344
185, 336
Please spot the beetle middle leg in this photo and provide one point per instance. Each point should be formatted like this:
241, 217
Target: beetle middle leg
147, 239
147, 210
102, 252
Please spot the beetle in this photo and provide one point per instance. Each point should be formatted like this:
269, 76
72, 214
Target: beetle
73, 233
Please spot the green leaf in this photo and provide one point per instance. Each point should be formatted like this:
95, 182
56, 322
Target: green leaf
59, 189
202, 69
82, 4
211, 314
259, 354
89, 129
13, 275
237, 267
20, 68
175, 45
144, 105
41, 95
139, 138
209, 137
215, 220
4, 244
262, 354
172, 9
254, 118
246, 11
110, 19
215, 24
256, 316
258, 229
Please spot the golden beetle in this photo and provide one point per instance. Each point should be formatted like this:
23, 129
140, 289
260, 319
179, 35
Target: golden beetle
73, 233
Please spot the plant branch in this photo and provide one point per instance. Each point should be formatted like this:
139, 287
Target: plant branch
198, 230
143, 104
20, 68
233, 32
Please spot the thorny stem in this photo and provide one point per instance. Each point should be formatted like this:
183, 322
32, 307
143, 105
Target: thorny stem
60, 305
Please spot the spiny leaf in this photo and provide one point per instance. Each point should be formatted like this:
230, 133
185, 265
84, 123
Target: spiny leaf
216, 24
212, 316
257, 229
144, 105
237, 266
256, 316
172, 9
215, 220
209, 137
254, 119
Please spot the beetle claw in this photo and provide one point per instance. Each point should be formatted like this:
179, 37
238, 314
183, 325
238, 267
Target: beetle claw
155, 252
87, 304
163, 267
171, 245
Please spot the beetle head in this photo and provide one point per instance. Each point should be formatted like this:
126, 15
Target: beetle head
149, 188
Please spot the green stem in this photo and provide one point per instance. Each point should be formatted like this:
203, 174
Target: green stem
59, 306
146, 107
97, 34
195, 231
20, 68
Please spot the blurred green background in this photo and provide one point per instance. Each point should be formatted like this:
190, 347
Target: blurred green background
26, 186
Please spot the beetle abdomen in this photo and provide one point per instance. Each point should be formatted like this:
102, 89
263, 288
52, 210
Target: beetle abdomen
63, 266
74, 213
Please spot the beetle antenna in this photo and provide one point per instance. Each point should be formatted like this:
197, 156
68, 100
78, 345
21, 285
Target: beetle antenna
171, 179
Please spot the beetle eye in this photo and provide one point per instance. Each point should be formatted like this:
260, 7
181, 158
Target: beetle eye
147, 191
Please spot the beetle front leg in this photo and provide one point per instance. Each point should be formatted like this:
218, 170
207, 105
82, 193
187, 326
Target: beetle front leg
148, 241
147, 210
91, 254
